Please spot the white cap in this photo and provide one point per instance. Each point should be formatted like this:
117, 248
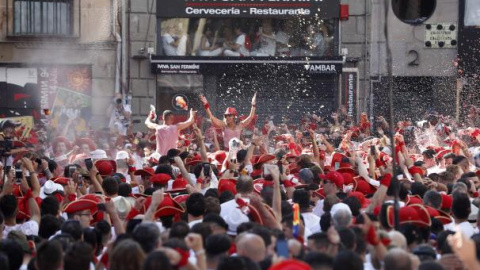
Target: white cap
122, 205
98, 154
48, 188
387, 150
340, 206
122, 155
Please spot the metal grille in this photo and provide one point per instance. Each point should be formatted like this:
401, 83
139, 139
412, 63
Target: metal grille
284, 93
43, 17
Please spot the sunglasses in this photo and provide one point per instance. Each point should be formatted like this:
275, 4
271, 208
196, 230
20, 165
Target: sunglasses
229, 115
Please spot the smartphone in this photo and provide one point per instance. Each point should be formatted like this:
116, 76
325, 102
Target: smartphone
71, 171
18, 174
39, 161
206, 169
337, 165
282, 247
89, 163
372, 150
266, 172
102, 207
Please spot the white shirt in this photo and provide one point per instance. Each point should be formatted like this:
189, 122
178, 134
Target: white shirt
169, 49
268, 44
318, 209
241, 41
312, 222
192, 223
233, 216
28, 228
466, 228
435, 169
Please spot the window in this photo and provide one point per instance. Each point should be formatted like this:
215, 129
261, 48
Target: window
43, 17
472, 13
217, 37
413, 11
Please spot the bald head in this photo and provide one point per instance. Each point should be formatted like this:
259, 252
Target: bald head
251, 246
398, 240
397, 259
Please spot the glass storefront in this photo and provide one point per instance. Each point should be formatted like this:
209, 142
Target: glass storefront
256, 37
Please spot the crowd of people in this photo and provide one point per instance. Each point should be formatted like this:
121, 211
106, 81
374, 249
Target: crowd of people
322, 192
239, 39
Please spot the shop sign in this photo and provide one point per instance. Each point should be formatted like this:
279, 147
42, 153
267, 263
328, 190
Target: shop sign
247, 8
349, 91
441, 35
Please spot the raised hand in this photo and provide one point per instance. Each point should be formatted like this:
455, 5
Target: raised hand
157, 197
254, 99
203, 99
27, 164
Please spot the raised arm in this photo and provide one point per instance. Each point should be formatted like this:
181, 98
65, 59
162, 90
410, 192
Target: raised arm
189, 121
28, 165
149, 122
252, 111
316, 152
183, 170
201, 143
217, 122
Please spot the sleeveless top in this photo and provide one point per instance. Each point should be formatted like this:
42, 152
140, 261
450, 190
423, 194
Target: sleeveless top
229, 134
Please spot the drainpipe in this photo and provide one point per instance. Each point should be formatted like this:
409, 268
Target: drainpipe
124, 48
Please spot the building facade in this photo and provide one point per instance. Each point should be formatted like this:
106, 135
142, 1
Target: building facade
424, 76
59, 61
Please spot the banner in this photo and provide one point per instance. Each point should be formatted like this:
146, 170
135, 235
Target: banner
248, 8
64, 90
349, 91
26, 125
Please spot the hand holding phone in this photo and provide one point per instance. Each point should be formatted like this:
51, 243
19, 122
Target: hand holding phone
71, 171
267, 175
89, 163
282, 247
372, 150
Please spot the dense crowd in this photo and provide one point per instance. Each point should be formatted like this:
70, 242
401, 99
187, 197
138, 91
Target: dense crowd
323, 192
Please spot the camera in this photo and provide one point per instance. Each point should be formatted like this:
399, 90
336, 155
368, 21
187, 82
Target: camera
306, 134
118, 101
5, 147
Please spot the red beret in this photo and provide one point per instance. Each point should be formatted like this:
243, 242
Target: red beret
106, 167
336, 178
194, 160
447, 201
179, 184
61, 180
168, 207
361, 198
413, 214
413, 199
290, 265
146, 171
81, 205
161, 178
227, 185
262, 159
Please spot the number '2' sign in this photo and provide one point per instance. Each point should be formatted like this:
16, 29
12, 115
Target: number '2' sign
416, 60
